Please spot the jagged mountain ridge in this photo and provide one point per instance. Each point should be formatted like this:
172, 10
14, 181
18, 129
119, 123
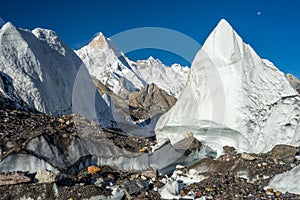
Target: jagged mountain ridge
123, 76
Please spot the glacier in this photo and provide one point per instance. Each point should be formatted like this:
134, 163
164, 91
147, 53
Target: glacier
240, 99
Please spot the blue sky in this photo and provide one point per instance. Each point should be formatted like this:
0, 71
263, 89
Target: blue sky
271, 27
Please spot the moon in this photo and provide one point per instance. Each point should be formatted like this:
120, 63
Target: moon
259, 13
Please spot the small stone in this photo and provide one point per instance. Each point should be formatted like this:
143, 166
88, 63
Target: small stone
178, 172
229, 150
264, 164
132, 177
93, 123
144, 178
180, 167
144, 149
269, 189
198, 194
99, 181
265, 177
149, 173
45, 176
209, 189
246, 156
277, 194
183, 192
110, 176
68, 122
269, 193
293, 165
93, 169
164, 180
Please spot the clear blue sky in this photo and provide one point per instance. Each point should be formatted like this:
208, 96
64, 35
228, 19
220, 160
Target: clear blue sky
271, 27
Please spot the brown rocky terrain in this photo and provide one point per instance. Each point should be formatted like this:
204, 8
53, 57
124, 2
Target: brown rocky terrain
150, 101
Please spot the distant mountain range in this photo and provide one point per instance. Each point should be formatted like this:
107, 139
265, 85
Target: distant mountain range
123, 76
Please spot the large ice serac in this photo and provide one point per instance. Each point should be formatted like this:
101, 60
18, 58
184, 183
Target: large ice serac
123, 76
231, 86
43, 71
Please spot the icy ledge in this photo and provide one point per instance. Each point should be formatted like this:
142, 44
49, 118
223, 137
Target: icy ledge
287, 182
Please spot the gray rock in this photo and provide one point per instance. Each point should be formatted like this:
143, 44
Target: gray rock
45, 176
294, 81
283, 151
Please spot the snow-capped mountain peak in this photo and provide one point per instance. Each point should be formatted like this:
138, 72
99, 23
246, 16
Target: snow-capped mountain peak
50, 38
44, 71
123, 76
154, 61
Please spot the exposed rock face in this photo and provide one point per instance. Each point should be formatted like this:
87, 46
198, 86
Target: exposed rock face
295, 82
150, 101
8, 95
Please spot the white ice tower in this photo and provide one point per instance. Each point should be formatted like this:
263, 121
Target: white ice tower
233, 98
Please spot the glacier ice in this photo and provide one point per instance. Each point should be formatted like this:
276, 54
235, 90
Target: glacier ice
287, 182
231, 88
